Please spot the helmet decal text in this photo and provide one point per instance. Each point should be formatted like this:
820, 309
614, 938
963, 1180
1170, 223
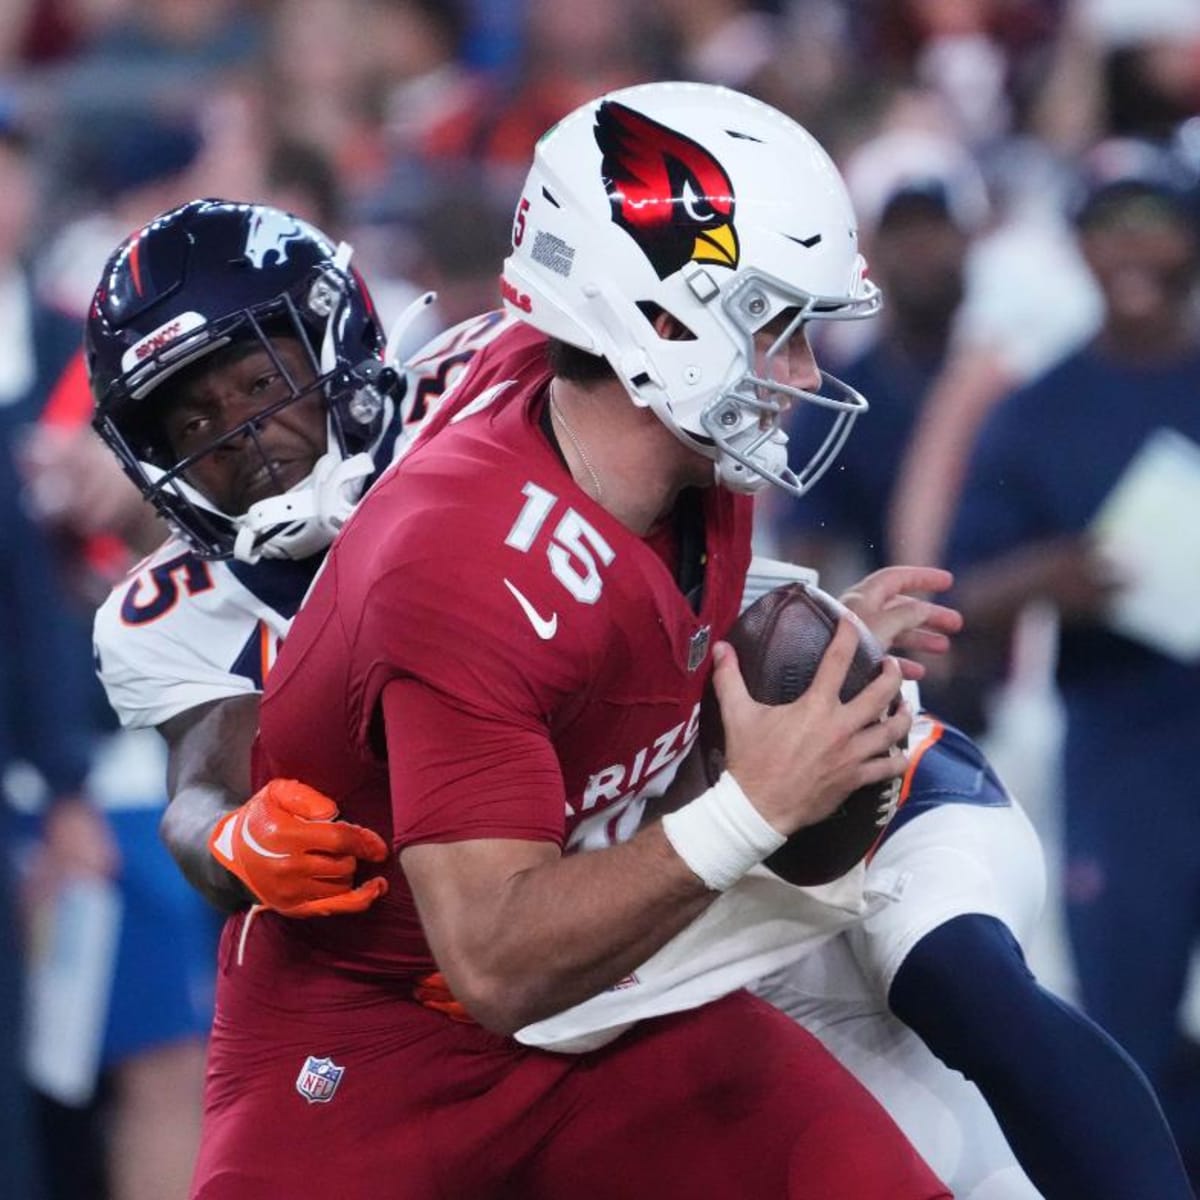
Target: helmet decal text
160, 338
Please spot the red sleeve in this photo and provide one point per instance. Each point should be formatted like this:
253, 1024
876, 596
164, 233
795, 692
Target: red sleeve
506, 785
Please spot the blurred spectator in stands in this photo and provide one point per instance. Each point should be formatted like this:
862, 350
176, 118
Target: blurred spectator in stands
1047, 458
415, 75
35, 341
574, 49
46, 728
720, 41
121, 172
1152, 64
919, 199
966, 51
419, 85
800, 57
319, 62
1120, 68
300, 179
137, 54
463, 238
1029, 299
47, 691
815, 74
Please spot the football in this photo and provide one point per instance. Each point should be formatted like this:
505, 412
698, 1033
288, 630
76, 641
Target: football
779, 641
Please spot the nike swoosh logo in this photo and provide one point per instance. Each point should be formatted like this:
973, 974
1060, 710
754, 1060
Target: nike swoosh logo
257, 846
545, 629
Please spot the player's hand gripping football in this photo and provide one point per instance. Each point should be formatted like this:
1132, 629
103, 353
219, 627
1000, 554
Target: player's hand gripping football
286, 845
798, 762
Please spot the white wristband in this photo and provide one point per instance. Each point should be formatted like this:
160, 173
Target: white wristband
720, 834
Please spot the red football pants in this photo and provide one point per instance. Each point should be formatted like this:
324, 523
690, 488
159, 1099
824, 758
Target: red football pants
733, 1101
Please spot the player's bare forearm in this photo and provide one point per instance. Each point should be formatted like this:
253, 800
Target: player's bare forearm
185, 828
208, 775
521, 932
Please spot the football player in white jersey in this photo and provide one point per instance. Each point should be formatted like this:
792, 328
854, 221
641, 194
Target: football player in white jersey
237, 365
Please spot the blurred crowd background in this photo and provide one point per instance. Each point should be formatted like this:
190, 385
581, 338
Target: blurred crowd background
1025, 176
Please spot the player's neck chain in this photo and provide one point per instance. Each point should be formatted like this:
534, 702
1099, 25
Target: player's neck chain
557, 414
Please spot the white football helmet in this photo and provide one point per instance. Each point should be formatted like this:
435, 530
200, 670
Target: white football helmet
702, 203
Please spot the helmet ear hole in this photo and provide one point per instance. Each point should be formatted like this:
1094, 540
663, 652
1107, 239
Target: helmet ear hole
666, 324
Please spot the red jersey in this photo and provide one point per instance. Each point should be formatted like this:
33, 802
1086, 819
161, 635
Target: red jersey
539, 667
550, 667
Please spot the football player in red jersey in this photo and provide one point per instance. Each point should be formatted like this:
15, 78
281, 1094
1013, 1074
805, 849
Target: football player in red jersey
283, 847
501, 661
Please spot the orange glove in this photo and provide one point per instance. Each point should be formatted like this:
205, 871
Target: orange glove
287, 847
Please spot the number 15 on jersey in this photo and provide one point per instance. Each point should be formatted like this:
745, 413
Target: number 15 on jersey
576, 549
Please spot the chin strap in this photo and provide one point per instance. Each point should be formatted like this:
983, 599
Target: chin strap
739, 475
314, 510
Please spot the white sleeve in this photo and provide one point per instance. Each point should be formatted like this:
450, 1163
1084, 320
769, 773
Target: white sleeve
156, 670
433, 372
759, 925
766, 574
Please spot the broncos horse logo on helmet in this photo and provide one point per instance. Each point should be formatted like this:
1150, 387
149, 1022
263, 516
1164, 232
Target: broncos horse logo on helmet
204, 276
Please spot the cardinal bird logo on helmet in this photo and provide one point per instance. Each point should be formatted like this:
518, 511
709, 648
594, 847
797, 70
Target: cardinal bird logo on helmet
666, 191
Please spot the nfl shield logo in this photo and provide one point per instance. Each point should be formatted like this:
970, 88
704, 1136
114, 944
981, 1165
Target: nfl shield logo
319, 1079
698, 647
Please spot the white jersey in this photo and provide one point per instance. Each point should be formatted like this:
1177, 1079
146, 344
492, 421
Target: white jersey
179, 632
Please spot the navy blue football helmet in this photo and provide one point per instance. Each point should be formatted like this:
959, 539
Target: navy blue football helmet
203, 276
